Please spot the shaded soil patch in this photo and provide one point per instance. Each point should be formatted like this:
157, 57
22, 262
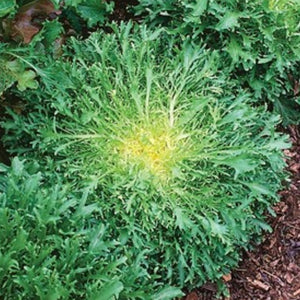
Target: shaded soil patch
122, 10
272, 271
4, 156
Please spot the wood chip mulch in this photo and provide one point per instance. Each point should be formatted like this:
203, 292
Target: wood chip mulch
272, 271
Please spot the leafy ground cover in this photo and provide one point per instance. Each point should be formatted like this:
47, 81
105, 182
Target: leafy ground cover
259, 41
148, 130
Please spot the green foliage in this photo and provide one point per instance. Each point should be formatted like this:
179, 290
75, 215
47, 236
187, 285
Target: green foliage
93, 11
14, 70
52, 244
176, 171
259, 40
19, 66
6, 7
48, 39
56, 243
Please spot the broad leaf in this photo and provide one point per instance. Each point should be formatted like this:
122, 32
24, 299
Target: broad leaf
109, 291
168, 293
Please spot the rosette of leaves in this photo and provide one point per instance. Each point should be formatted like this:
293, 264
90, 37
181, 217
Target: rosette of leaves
182, 170
259, 41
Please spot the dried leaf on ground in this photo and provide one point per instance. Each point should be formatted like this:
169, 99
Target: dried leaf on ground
27, 22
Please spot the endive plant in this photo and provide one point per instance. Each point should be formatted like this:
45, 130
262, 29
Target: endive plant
181, 167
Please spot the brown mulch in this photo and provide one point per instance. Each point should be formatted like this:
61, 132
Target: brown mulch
272, 271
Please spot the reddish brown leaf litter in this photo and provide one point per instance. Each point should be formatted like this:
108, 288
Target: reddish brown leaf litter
27, 22
272, 271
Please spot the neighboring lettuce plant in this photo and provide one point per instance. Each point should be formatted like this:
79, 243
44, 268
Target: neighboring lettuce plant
181, 170
259, 39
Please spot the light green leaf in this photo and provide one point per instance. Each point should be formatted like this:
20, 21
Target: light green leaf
242, 163
94, 11
26, 80
234, 49
198, 8
6, 7
262, 225
109, 291
168, 293
3, 168
229, 21
182, 221
259, 188
73, 3
193, 110
279, 144
154, 35
235, 115
17, 166
218, 229
20, 240
14, 66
